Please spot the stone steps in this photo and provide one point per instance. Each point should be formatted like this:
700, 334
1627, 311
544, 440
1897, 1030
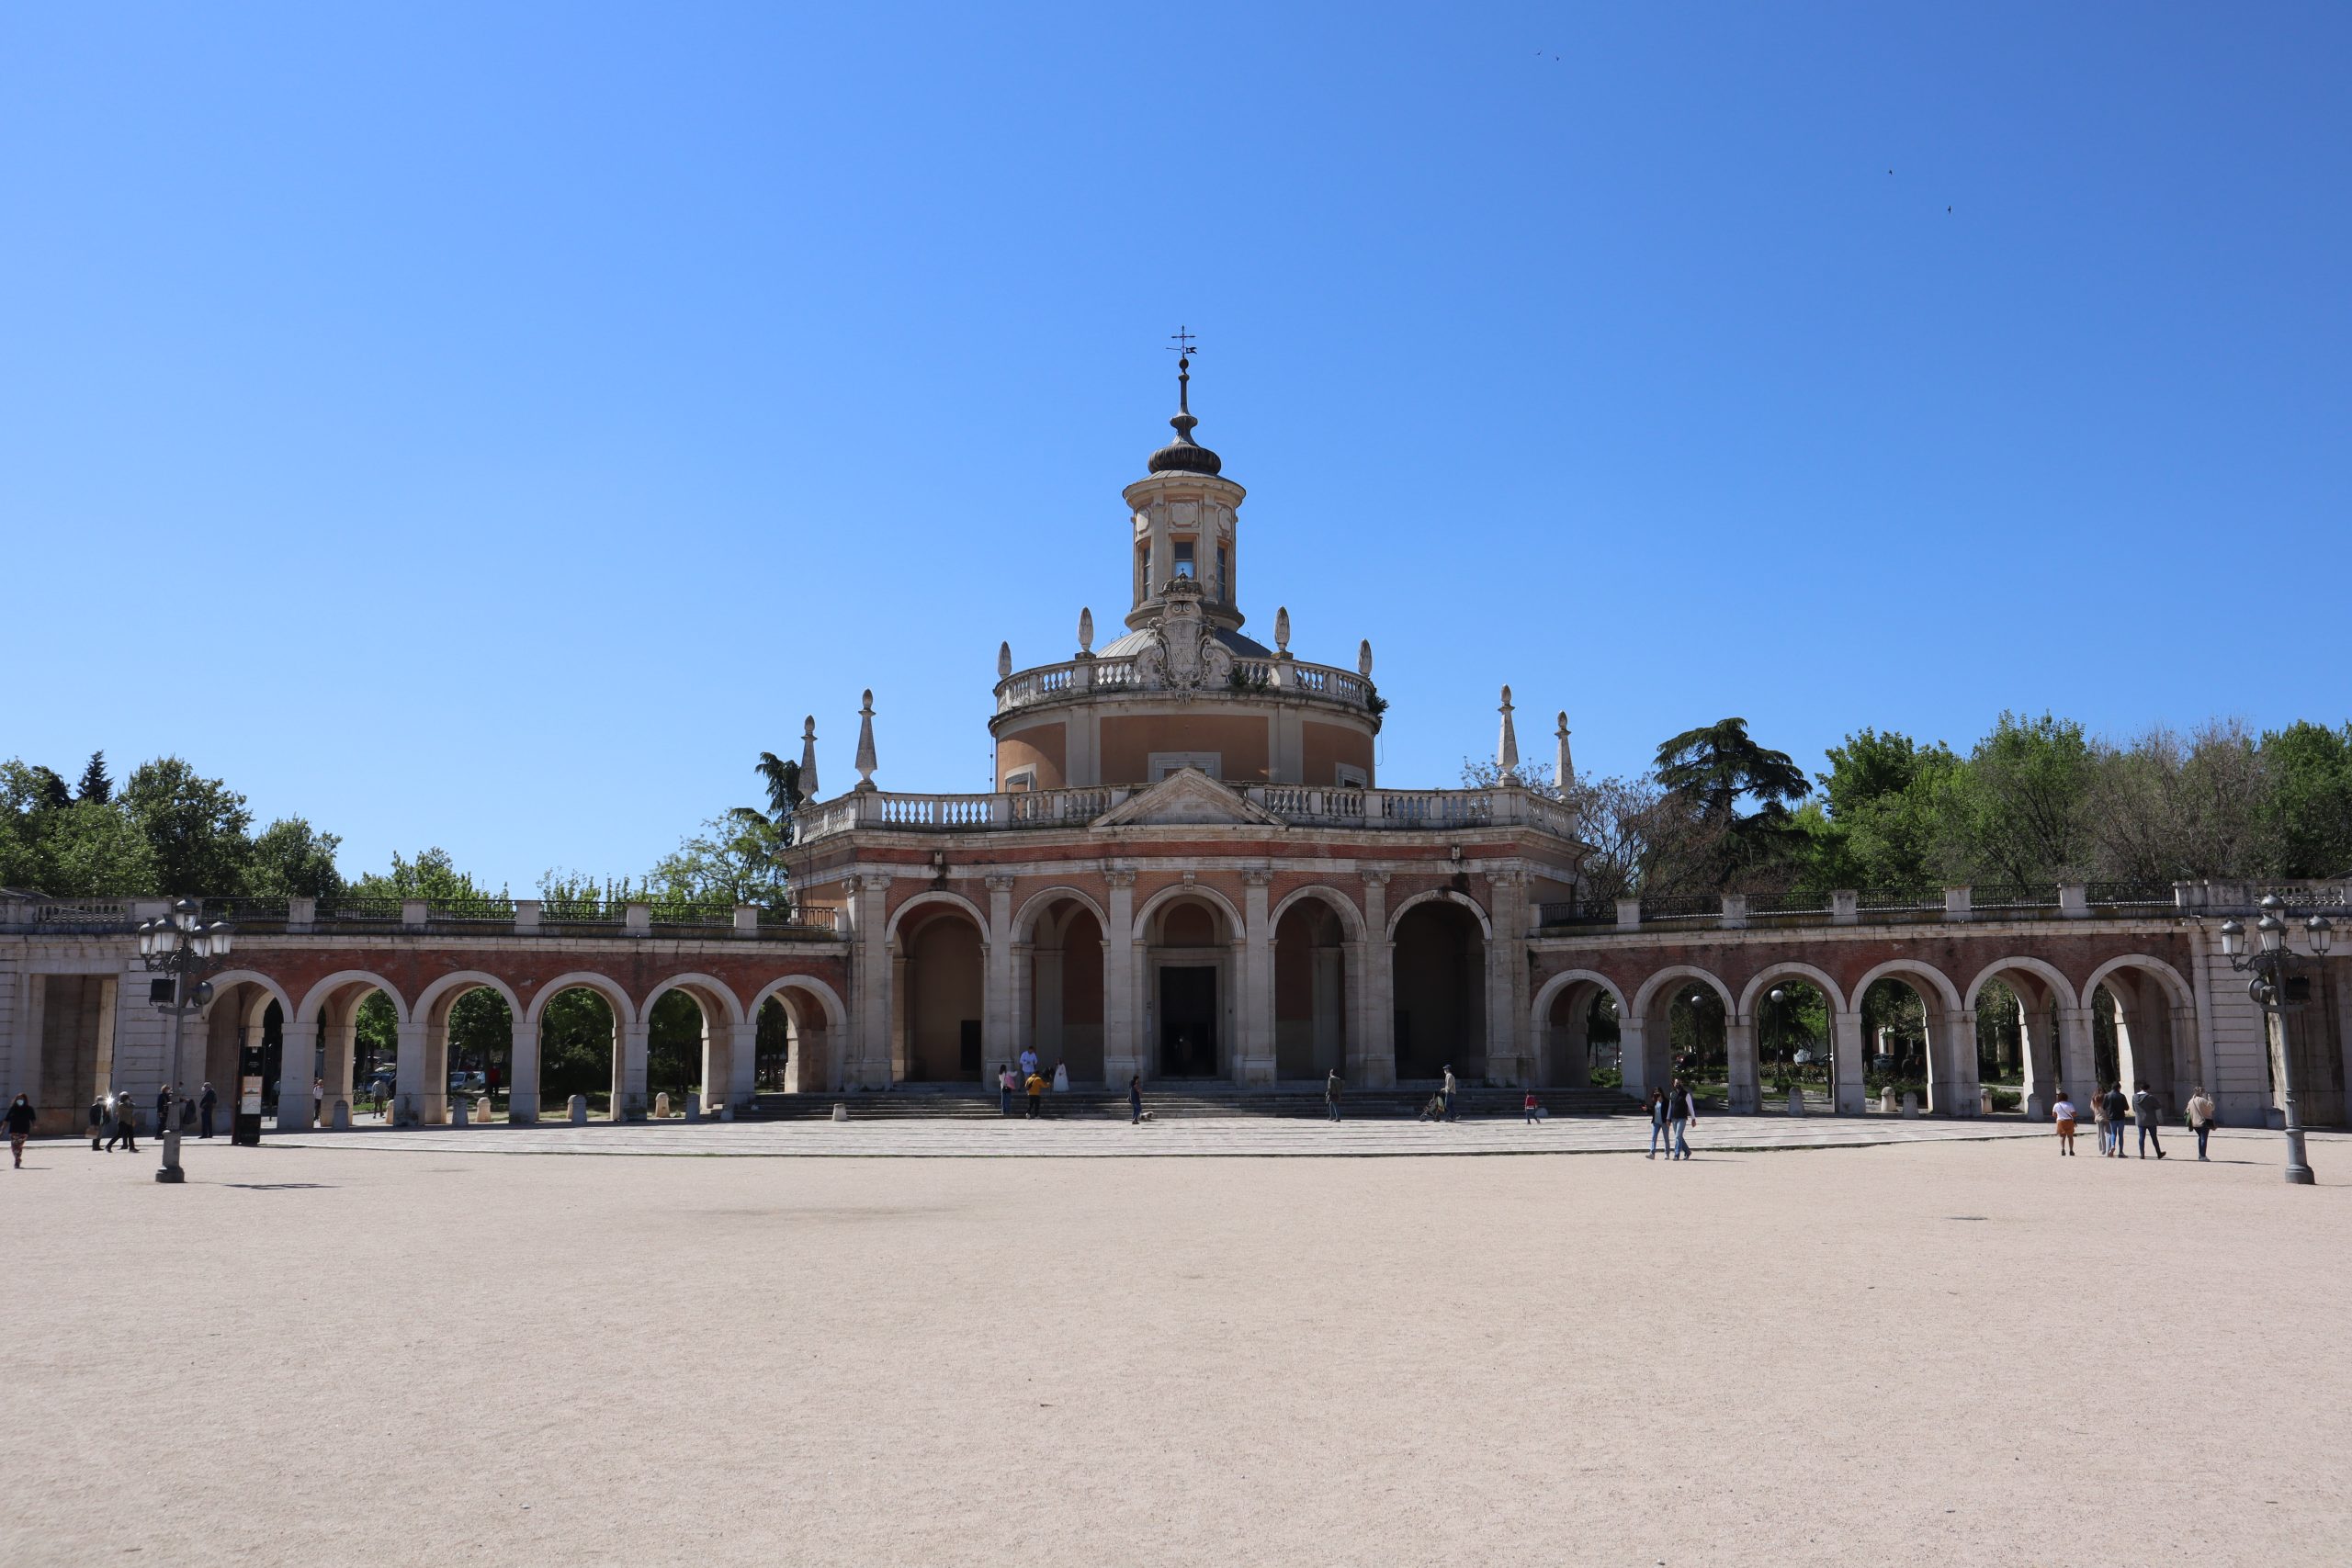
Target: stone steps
1189, 1100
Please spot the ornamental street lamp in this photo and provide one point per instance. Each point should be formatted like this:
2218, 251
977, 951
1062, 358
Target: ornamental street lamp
2275, 989
183, 947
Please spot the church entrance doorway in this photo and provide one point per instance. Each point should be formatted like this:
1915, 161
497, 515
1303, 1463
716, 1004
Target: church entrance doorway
1187, 1020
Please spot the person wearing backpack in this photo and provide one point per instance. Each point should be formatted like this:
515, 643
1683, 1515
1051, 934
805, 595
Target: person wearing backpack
2147, 1113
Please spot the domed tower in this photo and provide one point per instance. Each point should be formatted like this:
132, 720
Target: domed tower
1183, 687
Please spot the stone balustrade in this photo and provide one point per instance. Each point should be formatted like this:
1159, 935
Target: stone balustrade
1053, 682
1299, 804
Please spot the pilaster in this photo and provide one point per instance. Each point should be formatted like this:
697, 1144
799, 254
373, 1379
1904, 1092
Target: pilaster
1374, 1043
1739, 1043
1845, 1037
1122, 1053
1255, 1064
1001, 1035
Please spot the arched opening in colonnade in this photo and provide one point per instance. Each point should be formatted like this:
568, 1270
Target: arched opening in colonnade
244, 1013
348, 1022
580, 1052
1063, 992
795, 1043
1189, 952
941, 985
468, 1044
1311, 990
1795, 1044
1439, 991
2144, 1033
1915, 1041
691, 1038
1580, 1037
2021, 1006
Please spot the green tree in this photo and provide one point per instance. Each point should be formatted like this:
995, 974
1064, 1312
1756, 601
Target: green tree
92, 850
290, 859
1881, 822
196, 827
1716, 767
433, 874
2305, 816
576, 1045
2017, 812
674, 1044
94, 784
733, 860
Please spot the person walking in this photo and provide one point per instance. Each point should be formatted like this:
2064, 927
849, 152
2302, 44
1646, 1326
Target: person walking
126, 1125
1657, 1123
1448, 1092
2147, 1114
1134, 1100
1037, 1087
2098, 1117
20, 1127
205, 1104
2116, 1109
163, 1109
98, 1121
2062, 1114
1004, 1082
2200, 1117
1533, 1109
1680, 1111
1333, 1087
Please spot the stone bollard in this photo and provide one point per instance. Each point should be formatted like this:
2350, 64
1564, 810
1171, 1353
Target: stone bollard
727, 1113
578, 1109
694, 1106
1886, 1100
342, 1119
1796, 1100
458, 1112
482, 1109
1984, 1102
841, 1112
1910, 1103
661, 1105
2036, 1108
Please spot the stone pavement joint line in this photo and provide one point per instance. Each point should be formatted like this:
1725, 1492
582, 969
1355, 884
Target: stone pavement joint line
1016, 1138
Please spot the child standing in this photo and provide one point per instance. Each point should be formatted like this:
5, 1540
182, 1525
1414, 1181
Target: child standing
2063, 1114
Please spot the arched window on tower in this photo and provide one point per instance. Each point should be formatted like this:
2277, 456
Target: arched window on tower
1183, 557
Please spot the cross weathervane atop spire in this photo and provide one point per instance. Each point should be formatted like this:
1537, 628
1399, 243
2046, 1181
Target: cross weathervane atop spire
1180, 345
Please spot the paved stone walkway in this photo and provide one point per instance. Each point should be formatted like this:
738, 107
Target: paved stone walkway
1195, 1136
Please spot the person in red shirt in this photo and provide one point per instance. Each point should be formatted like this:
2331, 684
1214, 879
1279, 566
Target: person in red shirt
1531, 1107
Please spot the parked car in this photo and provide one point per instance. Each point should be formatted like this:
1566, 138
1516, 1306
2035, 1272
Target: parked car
467, 1083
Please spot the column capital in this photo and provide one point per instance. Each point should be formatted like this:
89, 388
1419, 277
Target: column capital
998, 881
1257, 877
1119, 878
1377, 878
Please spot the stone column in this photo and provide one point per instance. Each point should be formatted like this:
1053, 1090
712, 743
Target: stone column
1954, 1088
433, 1103
1375, 1043
1123, 1053
523, 1068
1510, 1053
2077, 1067
408, 1076
1001, 1035
1744, 1092
1257, 1010
1633, 1057
742, 1062
342, 1048
866, 1053
629, 1101
1845, 1037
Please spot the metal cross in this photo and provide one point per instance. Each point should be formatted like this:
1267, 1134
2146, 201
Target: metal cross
1183, 340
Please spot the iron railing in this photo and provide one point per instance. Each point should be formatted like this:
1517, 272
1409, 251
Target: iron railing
2130, 895
1682, 906
1579, 912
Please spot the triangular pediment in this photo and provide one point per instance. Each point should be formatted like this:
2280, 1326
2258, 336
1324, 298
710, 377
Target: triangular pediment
1187, 798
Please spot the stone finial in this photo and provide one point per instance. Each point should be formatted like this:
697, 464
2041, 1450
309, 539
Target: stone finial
1507, 747
1003, 659
809, 758
1363, 658
1281, 629
1086, 631
866, 763
1563, 772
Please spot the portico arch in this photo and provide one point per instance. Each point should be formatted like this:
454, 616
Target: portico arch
939, 957
1948, 1032
934, 896
1752, 994
1152, 906
1317, 982
514, 1070
2141, 1008
1560, 1020
328, 1015
1039, 904
240, 1015
2054, 1035
1060, 982
1441, 894
1778, 1032
1651, 1025
570, 1072
1190, 941
689, 1051
814, 1018
1350, 919
1442, 972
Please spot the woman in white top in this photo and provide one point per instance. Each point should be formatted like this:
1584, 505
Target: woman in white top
2063, 1114
2200, 1111
1061, 1077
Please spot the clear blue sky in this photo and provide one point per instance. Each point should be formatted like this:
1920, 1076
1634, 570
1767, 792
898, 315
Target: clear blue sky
525, 414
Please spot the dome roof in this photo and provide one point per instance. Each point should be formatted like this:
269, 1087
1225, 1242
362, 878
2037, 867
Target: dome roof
1183, 455
1136, 641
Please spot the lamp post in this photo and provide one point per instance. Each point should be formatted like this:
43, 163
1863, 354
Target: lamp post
183, 947
2274, 989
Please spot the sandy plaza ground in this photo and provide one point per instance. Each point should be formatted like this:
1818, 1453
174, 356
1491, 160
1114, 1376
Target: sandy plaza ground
410, 1349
